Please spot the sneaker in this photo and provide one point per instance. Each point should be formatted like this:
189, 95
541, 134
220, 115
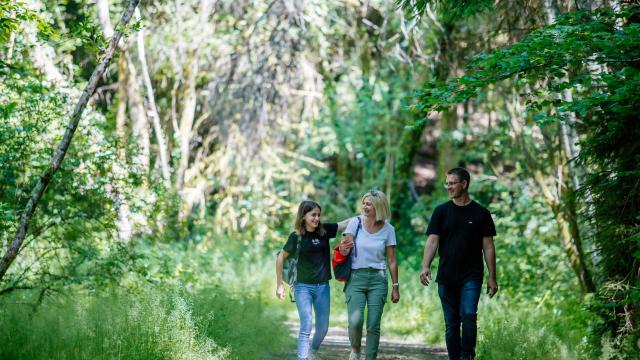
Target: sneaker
313, 355
354, 355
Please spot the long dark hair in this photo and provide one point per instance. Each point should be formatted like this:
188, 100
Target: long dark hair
303, 209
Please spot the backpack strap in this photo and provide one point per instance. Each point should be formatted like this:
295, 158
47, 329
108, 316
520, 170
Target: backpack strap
298, 241
355, 249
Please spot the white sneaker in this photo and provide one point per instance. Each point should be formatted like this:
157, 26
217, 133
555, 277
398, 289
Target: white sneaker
354, 355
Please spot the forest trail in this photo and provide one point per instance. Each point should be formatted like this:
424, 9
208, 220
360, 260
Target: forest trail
336, 347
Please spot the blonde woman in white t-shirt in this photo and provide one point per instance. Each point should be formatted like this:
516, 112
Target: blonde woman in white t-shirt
372, 252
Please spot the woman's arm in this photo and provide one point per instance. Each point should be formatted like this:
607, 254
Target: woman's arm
343, 225
282, 256
392, 264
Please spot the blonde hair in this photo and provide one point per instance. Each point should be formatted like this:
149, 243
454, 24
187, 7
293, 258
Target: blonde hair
380, 204
305, 207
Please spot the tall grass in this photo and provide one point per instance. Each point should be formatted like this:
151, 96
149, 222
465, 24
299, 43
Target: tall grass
249, 326
520, 330
180, 302
149, 326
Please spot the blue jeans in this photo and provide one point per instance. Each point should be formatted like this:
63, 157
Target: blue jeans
308, 296
460, 306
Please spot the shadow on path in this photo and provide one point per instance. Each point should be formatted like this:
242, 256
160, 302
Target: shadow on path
336, 347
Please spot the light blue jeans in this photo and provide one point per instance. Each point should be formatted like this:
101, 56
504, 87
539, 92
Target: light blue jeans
310, 297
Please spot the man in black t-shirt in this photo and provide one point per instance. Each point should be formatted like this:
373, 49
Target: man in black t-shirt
462, 231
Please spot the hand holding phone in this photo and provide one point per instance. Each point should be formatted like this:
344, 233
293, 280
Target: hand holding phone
346, 243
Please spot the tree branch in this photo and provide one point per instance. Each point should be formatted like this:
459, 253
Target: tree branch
63, 146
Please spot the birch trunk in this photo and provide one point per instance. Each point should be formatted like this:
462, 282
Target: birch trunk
153, 111
187, 116
448, 119
139, 121
567, 128
559, 202
120, 202
189, 100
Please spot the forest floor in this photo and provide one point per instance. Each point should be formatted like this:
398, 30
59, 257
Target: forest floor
336, 347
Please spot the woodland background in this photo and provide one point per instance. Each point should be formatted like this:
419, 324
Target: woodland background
156, 237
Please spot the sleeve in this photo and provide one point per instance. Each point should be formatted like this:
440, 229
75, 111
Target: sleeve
332, 230
489, 226
435, 224
290, 245
352, 226
391, 238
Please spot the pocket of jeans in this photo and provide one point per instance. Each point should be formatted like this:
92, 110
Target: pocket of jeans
382, 274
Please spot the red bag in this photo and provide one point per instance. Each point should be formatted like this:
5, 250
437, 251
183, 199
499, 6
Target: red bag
337, 260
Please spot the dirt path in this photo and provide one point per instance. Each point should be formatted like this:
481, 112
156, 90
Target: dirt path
336, 347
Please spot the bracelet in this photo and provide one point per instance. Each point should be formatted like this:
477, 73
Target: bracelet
395, 285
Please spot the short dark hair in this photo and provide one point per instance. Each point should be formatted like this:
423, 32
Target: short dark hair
462, 174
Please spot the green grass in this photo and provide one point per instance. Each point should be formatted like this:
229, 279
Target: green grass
226, 308
148, 326
250, 326
180, 303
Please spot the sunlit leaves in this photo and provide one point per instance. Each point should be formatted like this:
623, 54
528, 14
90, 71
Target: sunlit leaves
548, 56
449, 9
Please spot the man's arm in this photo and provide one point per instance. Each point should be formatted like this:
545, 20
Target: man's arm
430, 248
489, 251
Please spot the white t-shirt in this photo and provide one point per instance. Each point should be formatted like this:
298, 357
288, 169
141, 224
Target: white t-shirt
371, 249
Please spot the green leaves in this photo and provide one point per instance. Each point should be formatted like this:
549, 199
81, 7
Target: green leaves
545, 59
449, 10
13, 14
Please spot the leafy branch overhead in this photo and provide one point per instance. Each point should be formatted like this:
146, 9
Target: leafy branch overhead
448, 9
539, 66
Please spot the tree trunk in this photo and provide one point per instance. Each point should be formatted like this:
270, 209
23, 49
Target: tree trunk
189, 100
446, 151
102, 7
560, 203
139, 121
448, 121
120, 201
121, 114
63, 146
187, 116
153, 111
565, 209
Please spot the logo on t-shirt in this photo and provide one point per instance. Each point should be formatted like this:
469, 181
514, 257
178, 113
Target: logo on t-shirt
315, 242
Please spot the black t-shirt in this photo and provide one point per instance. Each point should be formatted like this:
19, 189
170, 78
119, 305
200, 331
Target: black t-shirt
461, 229
314, 263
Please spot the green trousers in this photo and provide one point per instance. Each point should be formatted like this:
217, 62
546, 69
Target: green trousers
366, 287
